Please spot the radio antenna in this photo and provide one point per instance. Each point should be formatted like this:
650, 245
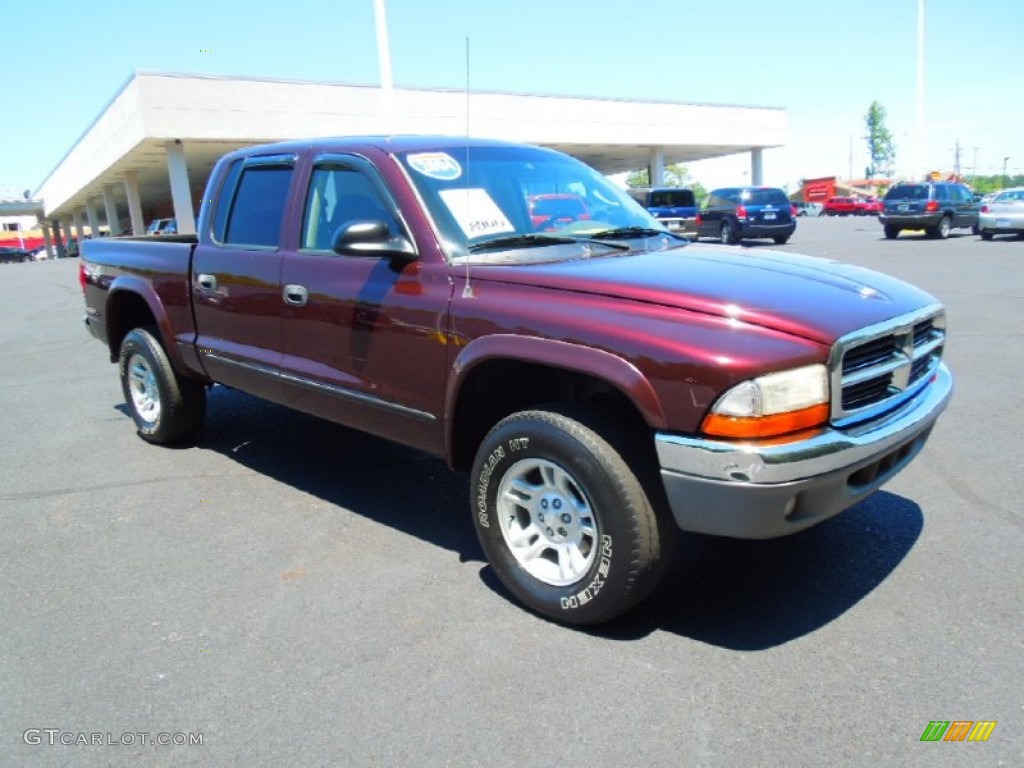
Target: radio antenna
467, 290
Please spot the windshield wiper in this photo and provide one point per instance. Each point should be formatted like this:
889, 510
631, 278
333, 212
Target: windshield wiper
620, 233
520, 241
534, 241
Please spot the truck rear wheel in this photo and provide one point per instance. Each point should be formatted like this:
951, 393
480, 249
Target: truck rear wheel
167, 408
563, 518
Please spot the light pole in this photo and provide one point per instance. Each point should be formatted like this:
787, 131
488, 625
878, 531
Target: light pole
387, 86
919, 153
1003, 185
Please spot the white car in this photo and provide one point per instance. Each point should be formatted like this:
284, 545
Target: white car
1003, 214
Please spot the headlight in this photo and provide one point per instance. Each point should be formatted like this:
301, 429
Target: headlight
771, 405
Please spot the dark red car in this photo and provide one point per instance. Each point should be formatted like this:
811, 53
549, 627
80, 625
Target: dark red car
552, 211
870, 206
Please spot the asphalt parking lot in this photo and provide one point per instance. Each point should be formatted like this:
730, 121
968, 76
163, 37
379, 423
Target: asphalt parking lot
294, 593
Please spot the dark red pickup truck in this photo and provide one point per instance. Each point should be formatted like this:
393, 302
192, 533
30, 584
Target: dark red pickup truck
603, 381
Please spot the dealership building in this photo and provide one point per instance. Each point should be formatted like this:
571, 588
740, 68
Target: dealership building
150, 151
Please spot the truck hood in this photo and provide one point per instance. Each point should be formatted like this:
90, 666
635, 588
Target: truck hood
810, 297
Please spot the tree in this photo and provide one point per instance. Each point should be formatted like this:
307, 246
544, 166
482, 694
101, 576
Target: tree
676, 175
879, 140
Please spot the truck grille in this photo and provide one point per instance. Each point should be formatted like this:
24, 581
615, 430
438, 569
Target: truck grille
876, 369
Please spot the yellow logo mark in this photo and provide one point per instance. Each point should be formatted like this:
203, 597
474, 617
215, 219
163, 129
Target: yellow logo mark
982, 730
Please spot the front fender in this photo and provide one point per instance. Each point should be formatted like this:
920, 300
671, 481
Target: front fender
598, 363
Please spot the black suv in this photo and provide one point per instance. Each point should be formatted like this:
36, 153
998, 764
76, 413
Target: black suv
732, 214
937, 207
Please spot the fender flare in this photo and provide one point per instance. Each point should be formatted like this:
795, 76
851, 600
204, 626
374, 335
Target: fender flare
133, 284
598, 363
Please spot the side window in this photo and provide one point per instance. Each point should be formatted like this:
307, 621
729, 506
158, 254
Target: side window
338, 195
227, 189
258, 207
941, 192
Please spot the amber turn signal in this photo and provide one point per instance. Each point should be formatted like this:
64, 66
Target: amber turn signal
750, 427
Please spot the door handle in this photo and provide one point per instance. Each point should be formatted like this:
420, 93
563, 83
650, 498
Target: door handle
296, 295
207, 282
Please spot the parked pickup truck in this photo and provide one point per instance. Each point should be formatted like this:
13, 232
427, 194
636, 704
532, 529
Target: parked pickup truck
603, 382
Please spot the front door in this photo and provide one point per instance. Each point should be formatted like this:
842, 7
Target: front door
364, 337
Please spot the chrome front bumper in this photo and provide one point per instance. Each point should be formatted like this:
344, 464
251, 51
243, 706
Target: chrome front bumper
760, 490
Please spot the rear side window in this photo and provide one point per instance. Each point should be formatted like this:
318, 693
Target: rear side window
908, 192
672, 198
258, 207
723, 197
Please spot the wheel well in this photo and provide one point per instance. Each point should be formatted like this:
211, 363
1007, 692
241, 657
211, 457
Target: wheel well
497, 388
125, 312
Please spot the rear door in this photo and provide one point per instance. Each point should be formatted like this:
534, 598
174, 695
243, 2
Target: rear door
906, 199
767, 206
966, 208
236, 277
719, 202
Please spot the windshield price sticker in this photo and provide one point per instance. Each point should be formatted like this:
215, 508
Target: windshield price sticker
435, 165
475, 212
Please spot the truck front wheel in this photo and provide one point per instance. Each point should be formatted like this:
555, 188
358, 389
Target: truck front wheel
167, 408
563, 518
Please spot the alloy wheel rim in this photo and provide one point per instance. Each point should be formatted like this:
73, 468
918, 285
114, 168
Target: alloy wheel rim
547, 521
144, 391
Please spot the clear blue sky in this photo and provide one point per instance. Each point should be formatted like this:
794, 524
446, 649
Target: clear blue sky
823, 61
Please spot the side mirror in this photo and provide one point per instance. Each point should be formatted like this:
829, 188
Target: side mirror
372, 237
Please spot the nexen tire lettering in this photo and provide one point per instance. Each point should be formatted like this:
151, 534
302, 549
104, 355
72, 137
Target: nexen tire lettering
587, 594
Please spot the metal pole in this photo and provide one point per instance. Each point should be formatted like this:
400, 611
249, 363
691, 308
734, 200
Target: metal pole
919, 150
383, 49
1004, 179
387, 85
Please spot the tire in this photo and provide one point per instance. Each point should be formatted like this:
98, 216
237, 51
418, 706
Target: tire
727, 235
943, 228
608, 545
891, 232
985, 234
781, 239
166, 408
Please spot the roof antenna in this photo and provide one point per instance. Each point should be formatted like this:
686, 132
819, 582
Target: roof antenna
467, 290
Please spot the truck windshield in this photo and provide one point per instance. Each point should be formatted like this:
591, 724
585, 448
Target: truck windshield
479, 194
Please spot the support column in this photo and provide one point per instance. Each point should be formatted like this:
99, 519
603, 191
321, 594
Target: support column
131, 190
61, 237
181, 193
76, 217
47, 241
93, 218
656, 167
756, 166
111, 209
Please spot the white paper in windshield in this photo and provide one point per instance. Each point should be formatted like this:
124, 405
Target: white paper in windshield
475, 212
